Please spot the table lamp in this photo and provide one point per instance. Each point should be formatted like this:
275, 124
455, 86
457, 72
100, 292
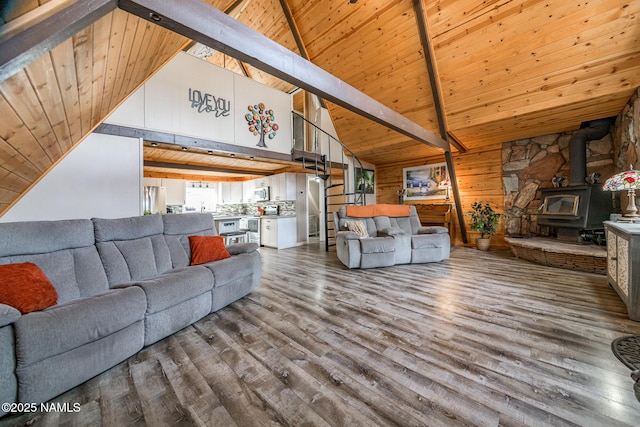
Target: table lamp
627, 180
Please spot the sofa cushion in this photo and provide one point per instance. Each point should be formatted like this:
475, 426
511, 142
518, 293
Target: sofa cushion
132, 249
25, 287
131, 228
178, 228
67, 326
64, 251
175, 286
377, 245
433, 229
428, 241
391, 231
37, 237
229, 270
207, 248
8, 315
242, 248
189, 223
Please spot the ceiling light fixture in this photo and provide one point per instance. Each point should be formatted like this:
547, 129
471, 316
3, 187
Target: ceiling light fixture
353, 1
232, 155
209, 152
184, 148
154, 144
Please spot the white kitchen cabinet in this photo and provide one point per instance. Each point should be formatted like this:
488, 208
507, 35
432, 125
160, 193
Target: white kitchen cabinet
283, 187
265, 181
248, 188
152, 182
230, 192
278, 232
623, 263
176, 191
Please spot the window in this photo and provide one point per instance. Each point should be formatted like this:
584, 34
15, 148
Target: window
201, 197
561, 204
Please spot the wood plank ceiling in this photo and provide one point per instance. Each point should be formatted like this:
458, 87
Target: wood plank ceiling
507, 69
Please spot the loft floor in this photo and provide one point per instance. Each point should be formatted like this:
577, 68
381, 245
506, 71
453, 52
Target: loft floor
481, 339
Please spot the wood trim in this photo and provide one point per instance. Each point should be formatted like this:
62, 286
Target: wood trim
211, 27
30, 36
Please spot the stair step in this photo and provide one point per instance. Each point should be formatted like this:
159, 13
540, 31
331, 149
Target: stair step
315, 168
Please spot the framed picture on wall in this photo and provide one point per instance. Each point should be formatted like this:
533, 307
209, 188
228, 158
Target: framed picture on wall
365, 178
425, 182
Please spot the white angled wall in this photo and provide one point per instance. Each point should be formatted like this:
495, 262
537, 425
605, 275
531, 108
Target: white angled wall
168, 103
101, 177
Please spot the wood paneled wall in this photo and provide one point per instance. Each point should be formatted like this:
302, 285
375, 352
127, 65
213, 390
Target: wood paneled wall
479, 176
53, 103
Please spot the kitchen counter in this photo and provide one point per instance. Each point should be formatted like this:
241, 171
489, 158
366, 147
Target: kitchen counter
226, 217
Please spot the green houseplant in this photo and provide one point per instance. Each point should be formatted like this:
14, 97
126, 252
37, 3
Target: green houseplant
485, 221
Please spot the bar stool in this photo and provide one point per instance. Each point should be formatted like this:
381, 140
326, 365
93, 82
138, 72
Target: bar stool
232, 237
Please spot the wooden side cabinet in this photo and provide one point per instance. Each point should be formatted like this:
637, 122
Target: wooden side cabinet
623, 263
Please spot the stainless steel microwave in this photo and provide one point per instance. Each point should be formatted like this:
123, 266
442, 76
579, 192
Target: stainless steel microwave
261, 194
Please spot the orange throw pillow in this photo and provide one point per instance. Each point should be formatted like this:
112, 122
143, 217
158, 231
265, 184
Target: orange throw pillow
25, 287
207, 248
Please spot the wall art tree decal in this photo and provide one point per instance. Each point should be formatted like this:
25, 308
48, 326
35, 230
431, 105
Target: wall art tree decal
261, 122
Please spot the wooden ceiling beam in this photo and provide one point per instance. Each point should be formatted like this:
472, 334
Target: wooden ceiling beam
425, 40
211, 27
297, 37
203, 168
28, 37
188, 142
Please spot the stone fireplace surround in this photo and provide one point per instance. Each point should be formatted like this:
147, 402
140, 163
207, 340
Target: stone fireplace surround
529, 165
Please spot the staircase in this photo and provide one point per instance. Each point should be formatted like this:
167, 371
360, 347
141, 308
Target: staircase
329, 159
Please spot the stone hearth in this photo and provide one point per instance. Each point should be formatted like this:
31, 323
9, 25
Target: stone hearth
553, 253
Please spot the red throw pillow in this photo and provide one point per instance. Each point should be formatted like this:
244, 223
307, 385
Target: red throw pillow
25, 287
207, 248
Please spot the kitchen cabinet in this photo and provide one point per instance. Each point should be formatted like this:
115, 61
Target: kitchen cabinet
283, 187
176, 191
152, 182
265, 181
230, 192
623, 263
278, 232
247, 191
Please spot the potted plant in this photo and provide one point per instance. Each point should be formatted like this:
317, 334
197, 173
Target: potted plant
485, 221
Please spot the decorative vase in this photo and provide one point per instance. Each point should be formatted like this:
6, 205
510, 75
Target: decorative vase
483, 243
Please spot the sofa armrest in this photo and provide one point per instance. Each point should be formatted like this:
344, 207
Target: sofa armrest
348, 235
8, 315
242, 248
390, 231
436, 229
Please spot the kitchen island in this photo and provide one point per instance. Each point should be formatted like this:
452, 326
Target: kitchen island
274, 231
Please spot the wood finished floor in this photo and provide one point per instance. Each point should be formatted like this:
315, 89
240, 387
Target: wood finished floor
481, 339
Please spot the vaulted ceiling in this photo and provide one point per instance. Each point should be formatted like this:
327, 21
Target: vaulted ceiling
505, 70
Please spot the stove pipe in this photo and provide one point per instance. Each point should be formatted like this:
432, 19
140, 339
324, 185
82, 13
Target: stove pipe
589, 131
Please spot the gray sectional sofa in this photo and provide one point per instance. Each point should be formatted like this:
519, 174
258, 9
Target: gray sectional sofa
122, 284
391, 240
